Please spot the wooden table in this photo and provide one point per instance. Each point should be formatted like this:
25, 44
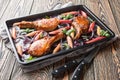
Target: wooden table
106, 65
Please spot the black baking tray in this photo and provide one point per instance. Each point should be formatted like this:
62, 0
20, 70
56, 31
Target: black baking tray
61, 54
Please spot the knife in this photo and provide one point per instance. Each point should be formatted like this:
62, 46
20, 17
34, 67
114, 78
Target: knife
68, 66
86, 60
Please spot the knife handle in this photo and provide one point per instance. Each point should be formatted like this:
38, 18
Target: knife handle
77, 72
62, 69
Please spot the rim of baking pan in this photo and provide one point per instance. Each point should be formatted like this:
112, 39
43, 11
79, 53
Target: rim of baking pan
33, 17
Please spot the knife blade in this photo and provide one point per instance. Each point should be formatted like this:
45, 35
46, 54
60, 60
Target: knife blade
86, 60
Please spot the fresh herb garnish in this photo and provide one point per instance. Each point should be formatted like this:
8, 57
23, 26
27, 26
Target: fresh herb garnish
104, 33
30, 58
65, 46
64, 31
70, 31
28, 30
68, 16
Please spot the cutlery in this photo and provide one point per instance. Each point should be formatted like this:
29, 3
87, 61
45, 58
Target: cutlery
86, 60
68, 66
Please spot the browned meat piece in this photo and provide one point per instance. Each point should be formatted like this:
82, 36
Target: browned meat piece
44, 24
81, 24
43, 45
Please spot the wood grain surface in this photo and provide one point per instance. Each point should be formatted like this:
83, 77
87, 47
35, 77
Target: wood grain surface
106, 65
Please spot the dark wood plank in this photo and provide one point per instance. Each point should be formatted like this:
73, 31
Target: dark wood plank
41, 74
106, 64
116, 56
88, 75
104, 67
115, 7
8, 60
